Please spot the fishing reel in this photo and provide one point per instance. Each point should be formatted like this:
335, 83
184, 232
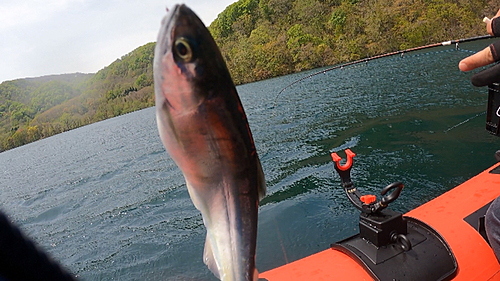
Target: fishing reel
490, 77
493, 109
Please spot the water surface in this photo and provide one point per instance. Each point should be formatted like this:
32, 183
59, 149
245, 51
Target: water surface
108, 202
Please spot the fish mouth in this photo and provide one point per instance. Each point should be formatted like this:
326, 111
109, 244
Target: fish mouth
165, 35
163, 42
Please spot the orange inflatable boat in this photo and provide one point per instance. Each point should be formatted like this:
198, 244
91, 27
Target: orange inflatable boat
443, 239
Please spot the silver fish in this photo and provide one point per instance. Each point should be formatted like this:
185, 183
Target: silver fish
205, 130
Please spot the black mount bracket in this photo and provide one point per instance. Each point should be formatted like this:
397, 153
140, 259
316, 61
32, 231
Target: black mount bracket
380, 227
390, 246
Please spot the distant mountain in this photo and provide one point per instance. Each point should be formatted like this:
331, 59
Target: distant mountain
35, 108
259, 39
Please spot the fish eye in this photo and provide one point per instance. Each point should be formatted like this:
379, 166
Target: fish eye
183, 49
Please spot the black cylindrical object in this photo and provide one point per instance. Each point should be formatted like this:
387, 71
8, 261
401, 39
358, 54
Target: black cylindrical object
493, 110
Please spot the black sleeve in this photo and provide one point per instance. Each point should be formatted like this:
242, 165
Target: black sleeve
495, 26
495, 50
486, 77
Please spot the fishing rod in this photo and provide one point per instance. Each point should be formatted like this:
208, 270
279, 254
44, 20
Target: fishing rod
401, 52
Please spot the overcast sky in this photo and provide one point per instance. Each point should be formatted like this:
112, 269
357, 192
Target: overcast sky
42, 37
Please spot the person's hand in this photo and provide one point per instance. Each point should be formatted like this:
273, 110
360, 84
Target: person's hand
487, 55
488, 23
478, 59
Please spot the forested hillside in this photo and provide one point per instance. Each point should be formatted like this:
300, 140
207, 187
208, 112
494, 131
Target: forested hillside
35, 108
266, 38
258, 38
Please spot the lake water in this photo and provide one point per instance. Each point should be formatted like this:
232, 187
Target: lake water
108, 203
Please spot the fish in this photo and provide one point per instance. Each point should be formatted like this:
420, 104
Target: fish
203, 127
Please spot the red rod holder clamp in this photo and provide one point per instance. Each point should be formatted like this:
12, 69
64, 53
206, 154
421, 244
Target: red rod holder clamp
336, 158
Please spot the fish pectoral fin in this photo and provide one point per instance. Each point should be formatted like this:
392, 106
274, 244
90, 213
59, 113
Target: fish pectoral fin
209, 259
195, 198
261, 180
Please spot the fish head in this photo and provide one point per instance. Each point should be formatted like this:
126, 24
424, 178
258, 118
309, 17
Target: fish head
191, 63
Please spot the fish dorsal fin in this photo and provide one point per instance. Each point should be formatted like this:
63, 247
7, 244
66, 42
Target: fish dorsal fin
208, 258
261, 180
